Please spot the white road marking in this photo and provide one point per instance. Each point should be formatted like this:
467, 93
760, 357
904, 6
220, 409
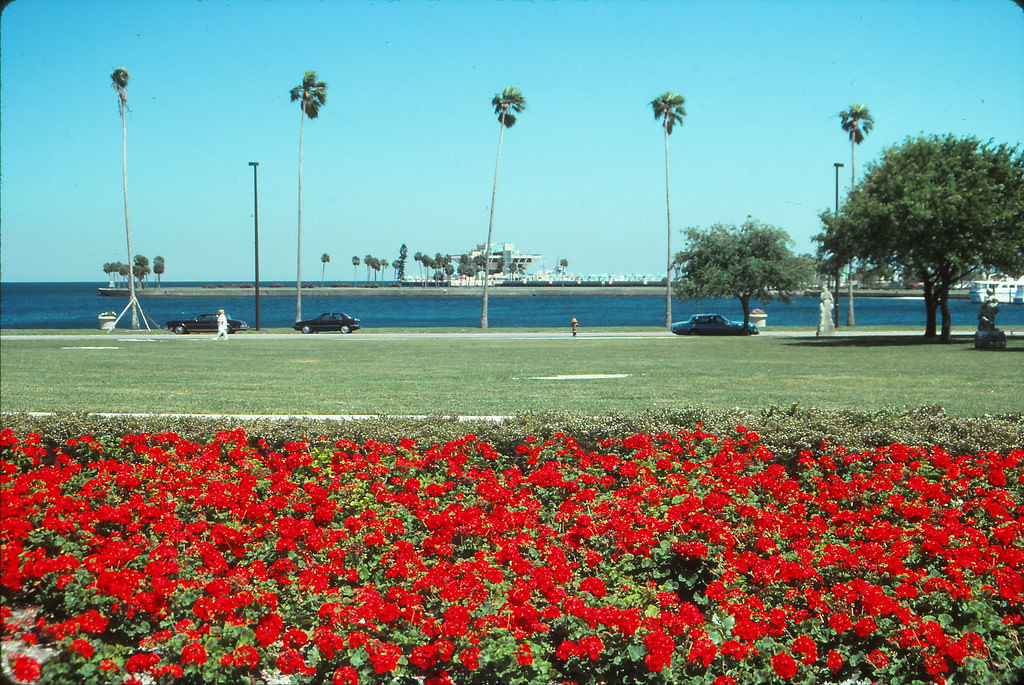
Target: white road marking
579, 376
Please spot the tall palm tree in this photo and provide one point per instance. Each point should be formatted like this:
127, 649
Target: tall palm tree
857, 122
159, 266
355, 269
120, 82
507, 104
312, 95
324, 258
668, 107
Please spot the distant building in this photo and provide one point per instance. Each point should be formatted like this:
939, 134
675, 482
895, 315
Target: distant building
506, 254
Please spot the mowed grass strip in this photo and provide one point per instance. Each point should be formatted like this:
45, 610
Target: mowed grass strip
483, 375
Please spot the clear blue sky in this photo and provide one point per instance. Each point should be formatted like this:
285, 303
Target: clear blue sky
404, 151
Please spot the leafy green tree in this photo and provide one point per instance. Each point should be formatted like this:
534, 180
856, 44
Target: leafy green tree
158, 268
312, 95
668, 107
747, 262
324, 259
857, 122
507, 104
937, 207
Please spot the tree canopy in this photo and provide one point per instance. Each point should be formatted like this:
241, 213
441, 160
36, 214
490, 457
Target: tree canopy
750, 261
938, 208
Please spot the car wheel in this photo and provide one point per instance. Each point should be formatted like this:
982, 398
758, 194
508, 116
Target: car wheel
180, 330
307, 329
346, 329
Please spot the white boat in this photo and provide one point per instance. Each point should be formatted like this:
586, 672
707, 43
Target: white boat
1006, 290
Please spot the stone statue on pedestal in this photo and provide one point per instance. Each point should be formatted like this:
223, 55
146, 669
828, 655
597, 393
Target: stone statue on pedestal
825, 324
988, 337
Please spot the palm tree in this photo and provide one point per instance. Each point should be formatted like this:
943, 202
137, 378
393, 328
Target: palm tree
668, 107
312, 95
857, 122
506, 104
324, 258
158, 268
120, 82
355, 269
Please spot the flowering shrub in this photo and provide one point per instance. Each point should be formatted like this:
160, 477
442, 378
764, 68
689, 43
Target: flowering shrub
683, 557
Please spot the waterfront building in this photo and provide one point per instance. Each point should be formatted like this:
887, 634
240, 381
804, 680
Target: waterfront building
505, 254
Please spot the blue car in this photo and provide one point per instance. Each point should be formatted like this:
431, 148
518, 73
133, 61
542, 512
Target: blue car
712, 324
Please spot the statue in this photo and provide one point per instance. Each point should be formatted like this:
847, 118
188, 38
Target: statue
988, 337
825, 325
989, 310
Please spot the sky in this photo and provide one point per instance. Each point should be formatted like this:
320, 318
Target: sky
404, 150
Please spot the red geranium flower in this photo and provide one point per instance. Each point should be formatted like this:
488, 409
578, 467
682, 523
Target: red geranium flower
784, 665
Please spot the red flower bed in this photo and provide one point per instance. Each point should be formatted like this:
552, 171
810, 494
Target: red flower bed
668, 558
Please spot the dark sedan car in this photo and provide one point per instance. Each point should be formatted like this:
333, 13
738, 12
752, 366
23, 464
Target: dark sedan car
204, 323
711, 324
330, 321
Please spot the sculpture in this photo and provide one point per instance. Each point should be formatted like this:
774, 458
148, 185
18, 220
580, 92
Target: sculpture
988, 337
825, 323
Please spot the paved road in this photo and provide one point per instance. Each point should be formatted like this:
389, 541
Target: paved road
133, 336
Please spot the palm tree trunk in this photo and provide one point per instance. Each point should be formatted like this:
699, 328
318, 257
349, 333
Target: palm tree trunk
298, 263
127, 226
850, 321
490, 226
668, 264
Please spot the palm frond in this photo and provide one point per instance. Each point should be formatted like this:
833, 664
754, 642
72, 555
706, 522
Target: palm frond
509, 100
120, 78
669, 108
312, 93
508, 119
857, 122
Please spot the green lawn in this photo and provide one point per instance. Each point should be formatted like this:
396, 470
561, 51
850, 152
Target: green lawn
490, 375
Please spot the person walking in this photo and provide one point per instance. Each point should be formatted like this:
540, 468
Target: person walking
222, 325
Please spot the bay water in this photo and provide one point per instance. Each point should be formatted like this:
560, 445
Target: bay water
77, 305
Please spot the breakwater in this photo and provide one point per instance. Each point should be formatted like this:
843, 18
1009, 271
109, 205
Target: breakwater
524, 290
393, 291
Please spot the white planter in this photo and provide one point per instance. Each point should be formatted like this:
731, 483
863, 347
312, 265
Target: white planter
759, 320
107, 321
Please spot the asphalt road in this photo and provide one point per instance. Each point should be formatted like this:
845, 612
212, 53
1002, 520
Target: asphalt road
160, 334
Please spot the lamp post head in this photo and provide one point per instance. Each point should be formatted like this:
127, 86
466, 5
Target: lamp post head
254, 163
835, 164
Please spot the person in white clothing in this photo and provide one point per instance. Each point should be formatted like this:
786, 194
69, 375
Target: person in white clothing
222, 325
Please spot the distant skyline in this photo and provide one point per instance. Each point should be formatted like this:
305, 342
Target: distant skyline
404, 150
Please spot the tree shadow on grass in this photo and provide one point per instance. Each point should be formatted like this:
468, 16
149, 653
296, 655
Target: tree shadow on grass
868, 341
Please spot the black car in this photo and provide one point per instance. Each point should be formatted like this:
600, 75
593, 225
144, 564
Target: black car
711, 324
329, 321
204, 323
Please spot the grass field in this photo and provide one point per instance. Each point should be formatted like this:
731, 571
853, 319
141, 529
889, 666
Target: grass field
494, 375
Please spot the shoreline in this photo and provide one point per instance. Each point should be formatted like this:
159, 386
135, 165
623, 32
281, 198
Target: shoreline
459, 291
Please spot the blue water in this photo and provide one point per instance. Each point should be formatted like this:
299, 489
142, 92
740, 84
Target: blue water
76, 305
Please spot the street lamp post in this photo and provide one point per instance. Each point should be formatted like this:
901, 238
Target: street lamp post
256, 232
835, 298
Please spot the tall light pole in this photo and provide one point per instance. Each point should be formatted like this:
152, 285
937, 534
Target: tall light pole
256, 232
835, 298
